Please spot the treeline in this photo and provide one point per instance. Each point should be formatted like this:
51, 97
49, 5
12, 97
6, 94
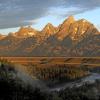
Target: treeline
59, 72
85, 92
12, 88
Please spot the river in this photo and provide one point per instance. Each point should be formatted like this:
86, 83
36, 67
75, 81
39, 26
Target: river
89, 79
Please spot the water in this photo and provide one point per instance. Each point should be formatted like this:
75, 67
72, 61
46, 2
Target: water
88, 79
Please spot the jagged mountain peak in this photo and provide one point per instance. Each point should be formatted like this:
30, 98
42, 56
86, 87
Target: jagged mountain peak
49, 30
49, 25
71, 38
77, 30
64, 28
70, 19
26, 32
28, 28
83, 21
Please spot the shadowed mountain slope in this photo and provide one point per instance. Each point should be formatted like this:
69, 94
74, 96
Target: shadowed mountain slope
71, 38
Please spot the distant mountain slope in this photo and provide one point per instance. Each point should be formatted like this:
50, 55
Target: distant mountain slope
26, 32
71, 38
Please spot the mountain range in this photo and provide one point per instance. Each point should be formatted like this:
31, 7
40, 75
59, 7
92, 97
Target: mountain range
71, 38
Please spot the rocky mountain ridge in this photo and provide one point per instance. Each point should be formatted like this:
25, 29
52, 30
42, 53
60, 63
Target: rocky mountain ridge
71, 38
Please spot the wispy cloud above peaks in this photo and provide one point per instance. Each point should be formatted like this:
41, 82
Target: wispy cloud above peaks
63, 11
14, 13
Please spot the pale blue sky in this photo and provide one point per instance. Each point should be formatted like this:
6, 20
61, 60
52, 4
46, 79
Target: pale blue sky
16, 13
92, 16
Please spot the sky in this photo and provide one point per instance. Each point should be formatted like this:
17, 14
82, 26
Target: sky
37, 13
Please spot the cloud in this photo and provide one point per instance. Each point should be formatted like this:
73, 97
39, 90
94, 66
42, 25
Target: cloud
73, 7
14, 13
63, 11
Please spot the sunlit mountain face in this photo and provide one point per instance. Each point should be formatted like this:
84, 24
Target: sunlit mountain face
49, 28
16, 13
71, 38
